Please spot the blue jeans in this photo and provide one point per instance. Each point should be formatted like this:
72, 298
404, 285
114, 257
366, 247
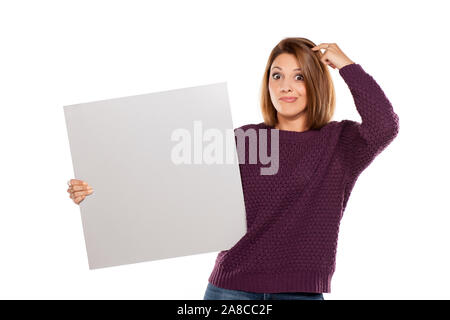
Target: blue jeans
216, 293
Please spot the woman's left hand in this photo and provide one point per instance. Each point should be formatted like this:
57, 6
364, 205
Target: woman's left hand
333, 55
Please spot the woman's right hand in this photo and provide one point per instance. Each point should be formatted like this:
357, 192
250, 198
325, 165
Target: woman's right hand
78, 190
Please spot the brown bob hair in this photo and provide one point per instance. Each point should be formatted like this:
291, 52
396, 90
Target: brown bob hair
319, 84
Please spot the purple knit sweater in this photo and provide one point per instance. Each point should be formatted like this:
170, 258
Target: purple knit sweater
293, 216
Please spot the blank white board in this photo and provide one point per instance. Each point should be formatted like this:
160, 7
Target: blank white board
144, 206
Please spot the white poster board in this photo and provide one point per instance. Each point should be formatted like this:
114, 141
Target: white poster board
144, 206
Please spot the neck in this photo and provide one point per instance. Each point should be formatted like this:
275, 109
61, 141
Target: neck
297, 125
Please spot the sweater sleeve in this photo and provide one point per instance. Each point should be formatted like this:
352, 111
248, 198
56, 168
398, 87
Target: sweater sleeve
361, 142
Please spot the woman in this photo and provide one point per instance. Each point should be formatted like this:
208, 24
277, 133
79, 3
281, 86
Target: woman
293, 216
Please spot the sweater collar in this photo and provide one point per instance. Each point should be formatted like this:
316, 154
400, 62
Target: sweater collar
292, 136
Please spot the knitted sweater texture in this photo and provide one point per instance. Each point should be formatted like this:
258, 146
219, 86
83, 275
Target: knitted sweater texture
293, 216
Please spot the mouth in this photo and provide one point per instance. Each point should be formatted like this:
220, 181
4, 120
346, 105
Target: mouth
290, 99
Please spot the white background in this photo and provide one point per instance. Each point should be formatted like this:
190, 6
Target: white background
394, 235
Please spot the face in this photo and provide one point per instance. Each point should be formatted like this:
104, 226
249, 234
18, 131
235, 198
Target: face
286, 80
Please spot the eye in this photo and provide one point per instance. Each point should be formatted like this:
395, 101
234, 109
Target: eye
277, 74
274, 74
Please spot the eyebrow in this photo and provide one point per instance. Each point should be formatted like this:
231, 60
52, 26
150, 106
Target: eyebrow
298, 69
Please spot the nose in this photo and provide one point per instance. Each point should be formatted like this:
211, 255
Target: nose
285, 86
286, 89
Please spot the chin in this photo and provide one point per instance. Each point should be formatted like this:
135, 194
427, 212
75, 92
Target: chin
290, 114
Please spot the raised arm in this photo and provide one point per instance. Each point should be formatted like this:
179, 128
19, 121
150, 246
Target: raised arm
361, 142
